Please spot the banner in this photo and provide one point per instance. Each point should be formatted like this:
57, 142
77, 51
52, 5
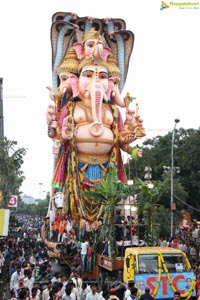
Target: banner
12, 201
4, 221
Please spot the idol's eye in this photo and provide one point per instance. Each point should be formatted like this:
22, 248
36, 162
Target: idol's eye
87, 73
64, 77
116, 81
90, 44
103, 75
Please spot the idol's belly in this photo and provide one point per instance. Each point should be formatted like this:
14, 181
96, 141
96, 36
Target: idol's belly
98, 145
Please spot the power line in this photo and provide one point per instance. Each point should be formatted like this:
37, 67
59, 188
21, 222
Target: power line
196, 209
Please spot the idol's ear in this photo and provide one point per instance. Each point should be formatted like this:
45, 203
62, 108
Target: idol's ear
78, 47
74, 85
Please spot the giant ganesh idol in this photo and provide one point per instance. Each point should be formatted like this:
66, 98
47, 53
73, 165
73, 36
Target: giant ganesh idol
90, 65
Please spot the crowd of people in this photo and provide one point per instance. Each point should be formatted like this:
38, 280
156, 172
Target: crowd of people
28, 272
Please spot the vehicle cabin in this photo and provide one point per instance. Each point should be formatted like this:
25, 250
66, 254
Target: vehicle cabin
163, 269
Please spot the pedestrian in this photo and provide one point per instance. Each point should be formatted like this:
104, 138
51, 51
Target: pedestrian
133, 295
113, 294
34, 295
93, 295
84, 244
14, 277
89, 257
177, 295
67, 293
127, 293
45, 292
146, 295
77, 281
23, 294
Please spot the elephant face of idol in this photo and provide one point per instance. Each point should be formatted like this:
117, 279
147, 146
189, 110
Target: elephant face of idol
114, 91
93, 85
68, 83
93, 48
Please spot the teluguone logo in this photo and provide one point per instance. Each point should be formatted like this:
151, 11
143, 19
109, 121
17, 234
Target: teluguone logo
181, 5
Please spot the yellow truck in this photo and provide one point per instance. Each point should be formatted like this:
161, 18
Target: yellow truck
163, 269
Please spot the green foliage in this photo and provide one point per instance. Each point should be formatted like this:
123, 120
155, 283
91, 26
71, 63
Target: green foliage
39, 209
109, 193
186, 184
11, 175
149, 210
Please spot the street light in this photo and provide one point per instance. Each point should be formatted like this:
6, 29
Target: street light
40, 189
172, 204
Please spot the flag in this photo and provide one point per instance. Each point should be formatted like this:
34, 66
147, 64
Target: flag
4, 221
12, 201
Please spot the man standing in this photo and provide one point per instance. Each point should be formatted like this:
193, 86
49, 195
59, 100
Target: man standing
146, 295
93, 295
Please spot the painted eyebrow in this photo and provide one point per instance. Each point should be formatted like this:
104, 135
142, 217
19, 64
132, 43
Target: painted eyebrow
101, 72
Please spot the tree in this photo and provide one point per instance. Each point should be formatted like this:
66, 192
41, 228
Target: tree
188, 153
11, 175
157, 153
109, 193
39, 209
151, 211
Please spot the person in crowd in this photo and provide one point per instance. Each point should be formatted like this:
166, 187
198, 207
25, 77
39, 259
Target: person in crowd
103, 288
177, 295
23, 294
84, 291
77, 263
93, 295
52, 295
131, 284
14, 277
49, 271
2, 261
77, 281
20, 285
29, 279
33, 294
133, 294
84, 244
37, 286
12, 295
56, 278
89, 257
64, 281
146, 295
43, 281
105, 295
66, 295
59, 293
46, 291
113, 294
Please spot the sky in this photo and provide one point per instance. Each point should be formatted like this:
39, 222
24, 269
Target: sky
163, 71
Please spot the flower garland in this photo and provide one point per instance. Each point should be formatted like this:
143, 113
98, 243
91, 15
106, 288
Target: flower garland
159, 276
189, 293
188, 265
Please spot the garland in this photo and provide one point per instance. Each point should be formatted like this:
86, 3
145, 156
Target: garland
193, 285
161, 263
159, 275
